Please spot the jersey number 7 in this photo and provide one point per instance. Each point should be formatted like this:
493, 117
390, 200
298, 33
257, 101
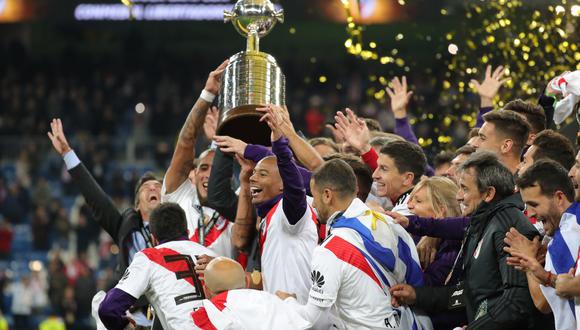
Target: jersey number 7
189, 275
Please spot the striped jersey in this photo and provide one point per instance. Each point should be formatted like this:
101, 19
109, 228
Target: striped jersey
166, 275
347, 277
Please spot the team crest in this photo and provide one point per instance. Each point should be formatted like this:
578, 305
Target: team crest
220, 223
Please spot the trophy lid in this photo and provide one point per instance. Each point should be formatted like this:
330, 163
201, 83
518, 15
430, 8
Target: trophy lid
258, 15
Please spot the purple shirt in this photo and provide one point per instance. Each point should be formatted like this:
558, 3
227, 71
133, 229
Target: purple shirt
294, 193
436, 273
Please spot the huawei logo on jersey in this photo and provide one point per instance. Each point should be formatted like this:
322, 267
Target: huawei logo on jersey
317, 278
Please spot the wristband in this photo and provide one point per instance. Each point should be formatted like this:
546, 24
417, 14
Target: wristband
207, 96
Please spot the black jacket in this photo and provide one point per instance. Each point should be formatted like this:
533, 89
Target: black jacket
118, 225
496, 295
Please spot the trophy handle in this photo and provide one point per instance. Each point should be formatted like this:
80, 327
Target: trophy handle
279, 15
229, 16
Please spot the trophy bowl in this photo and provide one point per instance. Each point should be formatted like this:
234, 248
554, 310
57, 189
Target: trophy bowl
252, 78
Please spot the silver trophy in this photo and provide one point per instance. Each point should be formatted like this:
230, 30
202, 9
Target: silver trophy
252, 78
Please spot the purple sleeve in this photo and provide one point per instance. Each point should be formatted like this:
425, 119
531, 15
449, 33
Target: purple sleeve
255, 152
112, 309
482, 111
403, 129
447, 228
306, 175
437, 271
294, 194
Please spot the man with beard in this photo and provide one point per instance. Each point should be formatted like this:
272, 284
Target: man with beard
548, 194
364, 254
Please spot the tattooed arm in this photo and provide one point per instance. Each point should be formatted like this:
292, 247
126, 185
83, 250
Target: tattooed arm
184, 154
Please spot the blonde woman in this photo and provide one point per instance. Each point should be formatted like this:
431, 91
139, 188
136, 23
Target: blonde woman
435, 198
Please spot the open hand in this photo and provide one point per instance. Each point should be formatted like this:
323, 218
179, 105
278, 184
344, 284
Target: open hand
201, 264
488, 88
228, 144
354, 130
211, 122
57, 137
400, 97
399, 218
214, 81
274, 117
519, 243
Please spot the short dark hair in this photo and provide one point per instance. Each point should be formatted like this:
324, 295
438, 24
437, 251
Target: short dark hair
408, 157
555, 146
337, 175
465, 150
534, 114
323, 141
490, 172
511, 125
148, 176
550, 176
363, 173
474, 132
373, 125
168, 222
444, 157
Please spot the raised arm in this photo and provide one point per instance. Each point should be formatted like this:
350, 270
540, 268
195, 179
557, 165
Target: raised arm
446, 228
184, 153
294, 192
304, 152
488, 89
245, 224
220, 195
356, 133
400, 97
101, 205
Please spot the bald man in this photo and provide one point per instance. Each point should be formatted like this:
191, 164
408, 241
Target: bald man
231, 306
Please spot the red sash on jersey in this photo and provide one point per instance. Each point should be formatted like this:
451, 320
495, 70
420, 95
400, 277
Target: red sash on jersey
220, 226
200, 317
264, 227
321, 228
350, 254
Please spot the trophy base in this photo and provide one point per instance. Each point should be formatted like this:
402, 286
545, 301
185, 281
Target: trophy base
243, 123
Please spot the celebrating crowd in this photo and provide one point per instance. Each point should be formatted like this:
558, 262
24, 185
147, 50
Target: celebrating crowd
354, 232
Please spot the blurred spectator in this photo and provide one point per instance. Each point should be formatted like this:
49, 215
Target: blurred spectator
41, 227
22, 301
5, 239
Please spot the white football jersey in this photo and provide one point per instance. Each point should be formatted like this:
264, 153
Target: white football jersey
287, 251
166, 275
246, 309
347, 278
219, 236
